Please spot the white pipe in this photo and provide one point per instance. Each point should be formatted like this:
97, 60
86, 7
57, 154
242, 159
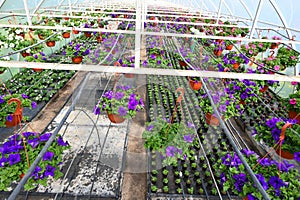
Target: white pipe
27, 12
258, 10
138, 35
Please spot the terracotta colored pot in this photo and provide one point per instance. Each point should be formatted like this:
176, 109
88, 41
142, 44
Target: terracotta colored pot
22, 35
195, 85
50, 43
66, 18
235, 66
17, 115
24, 54
284, 154
242, 102
229, 47
211, 120
182, 63
264, 89
41, 37
117, 119
294, 115
129, 75
274, 46
99, 39
218, 53
88, 34
75, 31
37, 69
77, 60
66, 34
219, 41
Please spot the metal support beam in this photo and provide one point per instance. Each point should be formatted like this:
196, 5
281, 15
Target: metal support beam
38, 6
138, 28
27, 12
2, 3
219, 11
258, 10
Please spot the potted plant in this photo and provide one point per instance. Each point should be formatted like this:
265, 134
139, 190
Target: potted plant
76, 50
275, 133
279, 180
287, 56
11, 106
233, 59
120, 104
172, 140
27, 146
292, 104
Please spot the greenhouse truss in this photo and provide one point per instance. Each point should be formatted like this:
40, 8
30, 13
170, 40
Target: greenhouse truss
182, 99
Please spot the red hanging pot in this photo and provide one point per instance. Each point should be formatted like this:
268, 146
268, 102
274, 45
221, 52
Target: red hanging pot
88, 34
17, 115
75, 31
37, 69
50, 43
294, 115
99, 39
235, 66
195, 85
264, 89
284, 153
77, 59
114, 118
66, 34
41, 37
274, 46
182, 63
229, 47
25, 54
211, 120
218, 53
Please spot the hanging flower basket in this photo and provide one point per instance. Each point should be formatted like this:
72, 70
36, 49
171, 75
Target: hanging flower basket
37, 69
66, 34
229, 47
284, 153
25, 54
195, 85
77, 59
115, 118
274, 46
75, 31
235, 66
264, 89
50, 43
211, 119
17, 116
182, 63
294, 115
218, 53
88, 34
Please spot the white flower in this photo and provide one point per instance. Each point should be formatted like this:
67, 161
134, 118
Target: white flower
27, 51
11, 45
6, 58
18, 31
19, 37
5, 45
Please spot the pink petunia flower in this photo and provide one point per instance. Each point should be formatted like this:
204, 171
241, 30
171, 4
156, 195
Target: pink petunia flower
276, 67
294, 83
293, 101
293, 57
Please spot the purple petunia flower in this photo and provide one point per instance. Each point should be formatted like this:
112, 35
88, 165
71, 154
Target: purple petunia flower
1, 100
96, 110
119, 95
170, 151
45, 137
122, 111
108, 94
9, 118
33, 104
27, 134
297, 156
24, 96
277, 183
49, 171
188, 138
61, 142
34, 142
240, 180
35, 173
14, 158
149, 128
48, 156
262, 181
3, 160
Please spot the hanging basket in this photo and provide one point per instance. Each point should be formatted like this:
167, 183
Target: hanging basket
182, 63
17, 115
25, 54
211, 120
294, 115
114, 118
75, 31
264, 89
37, 69
274, 46
235, 66
77, 59
66, 34
229, 47
218, 53
50, 43
129, 75
88, 34
283, 153
195, 85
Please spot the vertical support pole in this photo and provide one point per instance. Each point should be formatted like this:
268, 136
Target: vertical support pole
138, 29
255, 18
38, 6
27, 12
219, 11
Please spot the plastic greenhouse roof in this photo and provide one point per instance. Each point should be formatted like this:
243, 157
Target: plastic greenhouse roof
262, 17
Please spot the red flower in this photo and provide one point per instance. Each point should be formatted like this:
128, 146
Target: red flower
294, 83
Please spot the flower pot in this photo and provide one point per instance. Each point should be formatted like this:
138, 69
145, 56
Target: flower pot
264, 89
66, 34
229, 47
235, 66
41, 37
17, 115
37, 69
211, 120
284, 154
50, 43
129, 75
77, 59
75, 32
218, 53
182, 63
294, 115
274, 46
114, 118
25, 54
88, 34
99, 39
195, 85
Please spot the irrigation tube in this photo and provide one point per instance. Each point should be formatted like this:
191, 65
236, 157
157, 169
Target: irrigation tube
17, 190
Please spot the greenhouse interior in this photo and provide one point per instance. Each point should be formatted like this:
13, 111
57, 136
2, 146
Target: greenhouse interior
154, 100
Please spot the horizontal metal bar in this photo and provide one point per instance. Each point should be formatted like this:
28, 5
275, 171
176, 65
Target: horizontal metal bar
153, 71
